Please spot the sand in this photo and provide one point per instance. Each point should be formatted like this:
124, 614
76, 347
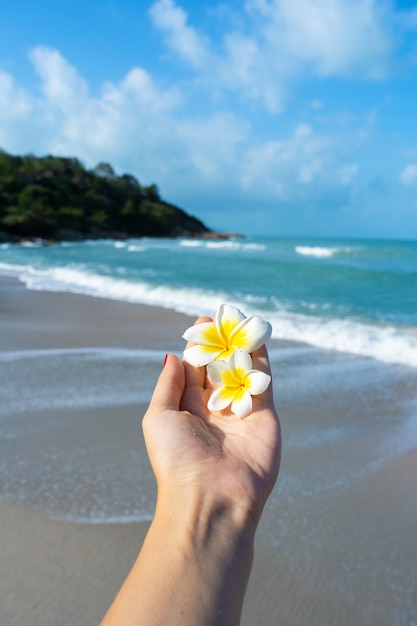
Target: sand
337, 544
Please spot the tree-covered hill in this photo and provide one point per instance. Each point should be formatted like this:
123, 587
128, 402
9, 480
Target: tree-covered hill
56, 198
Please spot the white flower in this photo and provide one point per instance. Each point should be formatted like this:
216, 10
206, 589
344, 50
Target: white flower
230, 331
239, 382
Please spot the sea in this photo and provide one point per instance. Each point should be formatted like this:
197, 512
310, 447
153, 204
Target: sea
348, 295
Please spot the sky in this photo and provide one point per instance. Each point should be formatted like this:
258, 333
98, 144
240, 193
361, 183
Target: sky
264, 117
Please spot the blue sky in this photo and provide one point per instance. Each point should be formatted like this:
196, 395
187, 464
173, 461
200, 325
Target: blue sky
263, 117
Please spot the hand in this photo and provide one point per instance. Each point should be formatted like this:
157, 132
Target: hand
195, 451
214, 473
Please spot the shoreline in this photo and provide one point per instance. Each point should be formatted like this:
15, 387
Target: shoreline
385, 342
346, 489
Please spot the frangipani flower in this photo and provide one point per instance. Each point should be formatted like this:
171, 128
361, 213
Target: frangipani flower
230, 331
239, 382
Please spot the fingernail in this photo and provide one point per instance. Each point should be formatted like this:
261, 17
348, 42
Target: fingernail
165, 360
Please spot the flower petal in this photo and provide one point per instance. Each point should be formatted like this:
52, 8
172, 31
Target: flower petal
200, 355
241, 362
221, 398
242, 403
251, 333
227, 318
256, 382
216, 370
205, 334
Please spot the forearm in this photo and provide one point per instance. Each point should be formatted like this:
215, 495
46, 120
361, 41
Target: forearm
193, 567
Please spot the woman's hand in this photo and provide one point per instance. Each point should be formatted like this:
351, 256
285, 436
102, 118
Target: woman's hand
214, 473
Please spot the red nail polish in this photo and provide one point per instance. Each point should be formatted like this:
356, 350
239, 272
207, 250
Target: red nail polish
165, 360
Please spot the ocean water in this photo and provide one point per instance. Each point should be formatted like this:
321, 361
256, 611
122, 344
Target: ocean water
352, 296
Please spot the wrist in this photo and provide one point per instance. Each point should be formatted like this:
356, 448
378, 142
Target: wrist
197, 556
194, 564
207, 524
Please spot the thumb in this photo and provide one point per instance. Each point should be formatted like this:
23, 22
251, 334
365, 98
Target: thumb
170, 386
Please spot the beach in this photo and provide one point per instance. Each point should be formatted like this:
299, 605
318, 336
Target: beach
337, 542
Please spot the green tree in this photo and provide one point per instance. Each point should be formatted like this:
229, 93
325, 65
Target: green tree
152, 193
34, 215
104, 170
71, 218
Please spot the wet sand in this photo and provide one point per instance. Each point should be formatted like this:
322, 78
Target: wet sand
337, 543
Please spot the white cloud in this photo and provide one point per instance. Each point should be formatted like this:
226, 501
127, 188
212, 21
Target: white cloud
124, 118
290, 168
16, 108
185, 40
213, 146
61, 84
280, 42
14, 102
328, 37
249, 69
408, 176
139, 84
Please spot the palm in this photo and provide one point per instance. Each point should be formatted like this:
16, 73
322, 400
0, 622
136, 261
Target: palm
219, 451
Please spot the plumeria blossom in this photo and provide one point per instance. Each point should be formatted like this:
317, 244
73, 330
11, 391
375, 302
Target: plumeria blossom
231, 330
238, 383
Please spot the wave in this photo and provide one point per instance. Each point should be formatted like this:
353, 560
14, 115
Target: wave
218, 245
387, 343
190, 243
61, 279
133, 248
316, 251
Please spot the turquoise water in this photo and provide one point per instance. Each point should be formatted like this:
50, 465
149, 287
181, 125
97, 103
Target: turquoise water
346, 295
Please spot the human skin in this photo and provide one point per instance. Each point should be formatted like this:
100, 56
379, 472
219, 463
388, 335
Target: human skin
214, 473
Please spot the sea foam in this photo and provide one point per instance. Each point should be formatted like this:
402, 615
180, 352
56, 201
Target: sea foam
317, 251
390, 344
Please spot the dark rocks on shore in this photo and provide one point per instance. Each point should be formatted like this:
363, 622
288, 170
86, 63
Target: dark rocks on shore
74, 236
